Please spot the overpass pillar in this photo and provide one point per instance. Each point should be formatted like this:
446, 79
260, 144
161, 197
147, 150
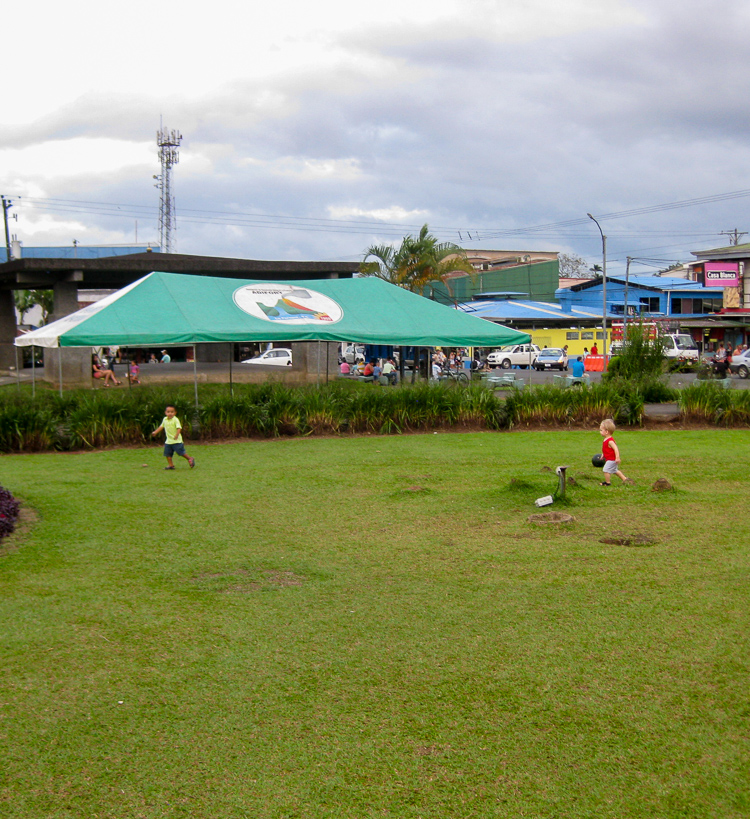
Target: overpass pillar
75, 361
8, 329
314, 359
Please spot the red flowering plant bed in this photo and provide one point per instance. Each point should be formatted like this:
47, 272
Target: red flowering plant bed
9, 508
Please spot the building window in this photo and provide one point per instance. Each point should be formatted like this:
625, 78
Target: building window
587, 336
650, 304
684, 307
572, 336
710, 305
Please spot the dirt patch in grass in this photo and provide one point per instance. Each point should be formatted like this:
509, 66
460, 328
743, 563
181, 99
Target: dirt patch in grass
27, 518
242, 581
638, 539
544, 518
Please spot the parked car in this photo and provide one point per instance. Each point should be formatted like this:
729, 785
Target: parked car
741, 364
513, 355
551, 358
354, 353
278, 357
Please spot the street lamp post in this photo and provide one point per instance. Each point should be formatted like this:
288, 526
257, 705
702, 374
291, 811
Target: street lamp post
604, 285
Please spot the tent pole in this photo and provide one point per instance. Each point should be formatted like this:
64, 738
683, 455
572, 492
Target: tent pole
318, 357
195, 379
33, 372
328, 350
59, 367
231, 358
18, 372
196, 417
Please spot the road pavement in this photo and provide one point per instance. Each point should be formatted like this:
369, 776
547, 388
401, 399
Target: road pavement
219, 371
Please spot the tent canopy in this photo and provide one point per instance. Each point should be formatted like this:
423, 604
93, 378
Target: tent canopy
170, 309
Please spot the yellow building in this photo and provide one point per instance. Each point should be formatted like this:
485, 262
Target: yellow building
548, 323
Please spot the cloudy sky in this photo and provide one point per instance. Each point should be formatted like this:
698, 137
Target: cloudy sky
313, 130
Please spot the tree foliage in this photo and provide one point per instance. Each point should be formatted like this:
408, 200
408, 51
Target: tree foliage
417, 261
672, 267
25, 300
572, 266
641, 356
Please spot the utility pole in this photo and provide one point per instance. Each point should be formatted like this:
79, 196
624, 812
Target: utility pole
7, 204
734, 235
169, 155
625, 307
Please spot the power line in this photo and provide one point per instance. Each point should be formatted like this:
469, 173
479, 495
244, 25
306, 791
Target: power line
368, 226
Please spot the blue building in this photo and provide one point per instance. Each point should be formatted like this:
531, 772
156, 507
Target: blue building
548, 323
647, 297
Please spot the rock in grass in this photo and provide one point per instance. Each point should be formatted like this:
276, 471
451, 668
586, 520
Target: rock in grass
662, 485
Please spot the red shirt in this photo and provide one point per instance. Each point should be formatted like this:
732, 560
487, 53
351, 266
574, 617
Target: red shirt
608, 450
368, 369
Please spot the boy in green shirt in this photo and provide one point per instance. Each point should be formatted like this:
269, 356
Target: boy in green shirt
173, 445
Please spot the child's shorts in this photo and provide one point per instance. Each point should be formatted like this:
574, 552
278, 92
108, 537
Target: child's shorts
610, 467
173, 449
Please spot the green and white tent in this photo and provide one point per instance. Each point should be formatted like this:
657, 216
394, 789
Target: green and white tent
173, 309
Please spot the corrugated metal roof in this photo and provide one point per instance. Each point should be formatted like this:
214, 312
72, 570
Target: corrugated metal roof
502, 310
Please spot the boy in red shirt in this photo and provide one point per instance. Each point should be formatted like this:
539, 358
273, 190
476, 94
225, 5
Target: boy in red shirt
611, 453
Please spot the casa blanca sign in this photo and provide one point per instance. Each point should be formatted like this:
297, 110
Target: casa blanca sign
722, 274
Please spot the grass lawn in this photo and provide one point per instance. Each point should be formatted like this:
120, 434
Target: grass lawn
369, 627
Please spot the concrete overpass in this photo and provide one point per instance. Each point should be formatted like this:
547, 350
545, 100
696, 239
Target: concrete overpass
65, 276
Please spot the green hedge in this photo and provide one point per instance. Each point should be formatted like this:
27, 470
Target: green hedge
86, 420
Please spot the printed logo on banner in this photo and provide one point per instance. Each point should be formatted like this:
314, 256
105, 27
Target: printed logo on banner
287, 303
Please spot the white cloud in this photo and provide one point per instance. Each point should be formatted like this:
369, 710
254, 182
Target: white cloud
395, 213
73, 157
479, 114
301, 168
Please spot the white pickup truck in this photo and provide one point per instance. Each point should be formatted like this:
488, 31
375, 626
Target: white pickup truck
679, 345
513, 355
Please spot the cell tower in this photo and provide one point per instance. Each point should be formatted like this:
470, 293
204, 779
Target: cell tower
168, 142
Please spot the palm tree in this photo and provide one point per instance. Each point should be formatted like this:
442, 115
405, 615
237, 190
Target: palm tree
419, 260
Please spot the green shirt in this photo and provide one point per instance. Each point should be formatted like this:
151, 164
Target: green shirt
171, 426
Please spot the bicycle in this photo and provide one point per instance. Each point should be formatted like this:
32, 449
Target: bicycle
457, 376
